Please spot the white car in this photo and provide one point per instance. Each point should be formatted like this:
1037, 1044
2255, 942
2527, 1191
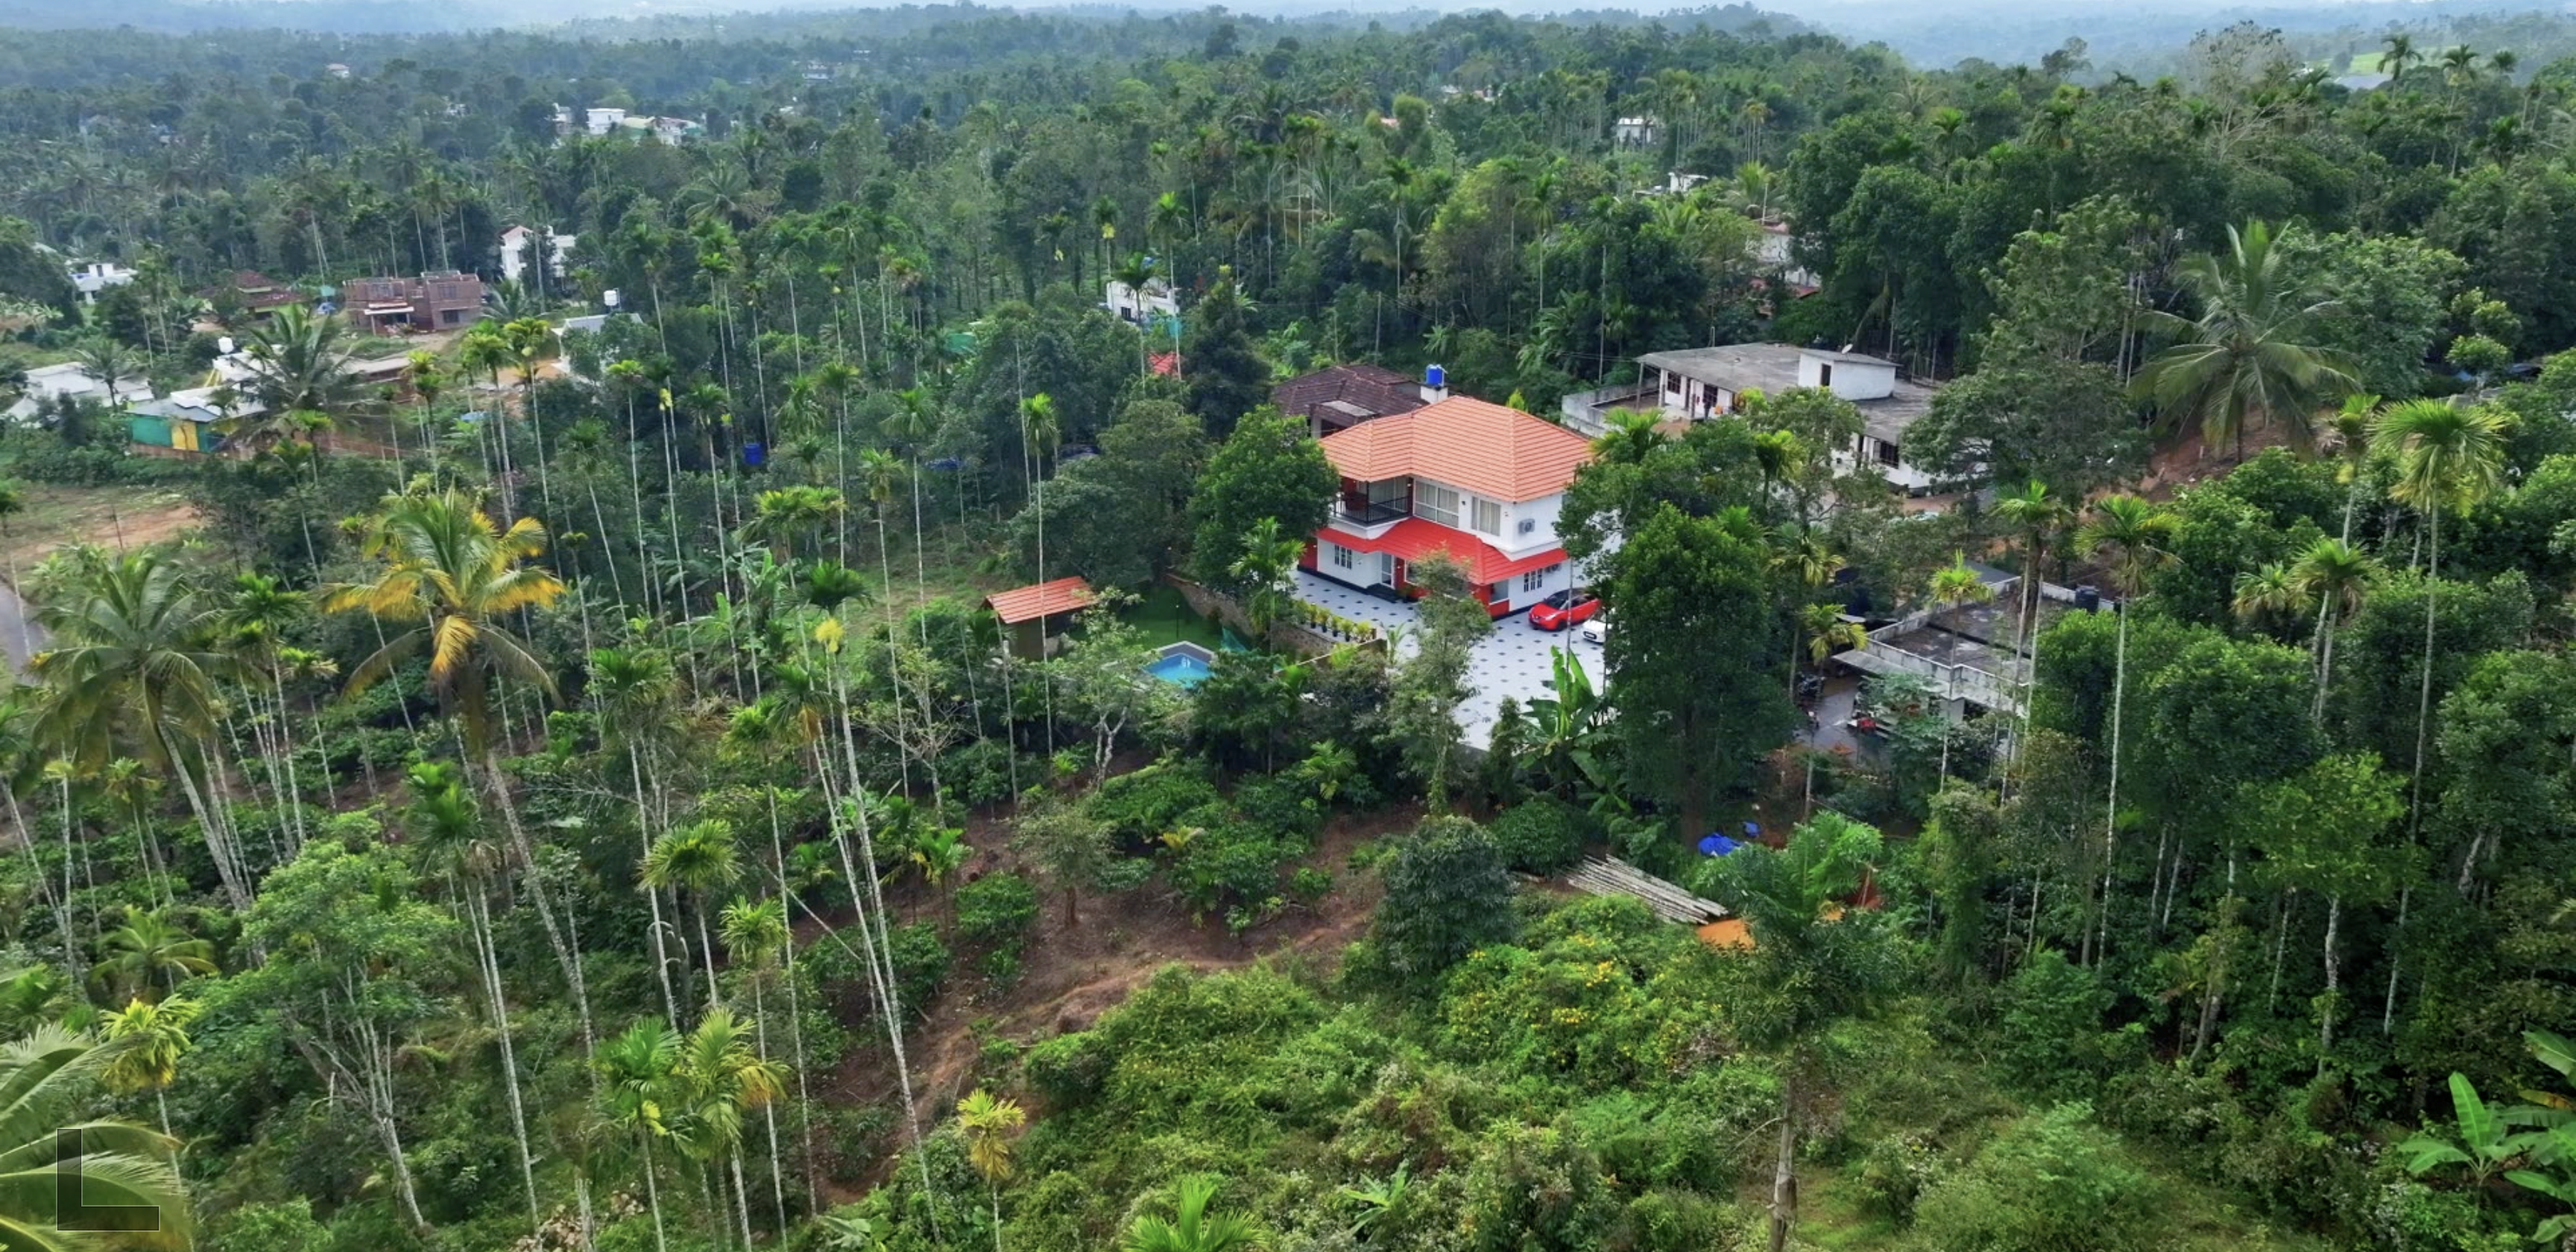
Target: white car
1595, 631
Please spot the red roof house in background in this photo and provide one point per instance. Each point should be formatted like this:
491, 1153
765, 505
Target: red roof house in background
1477, 482
1343, 396
1031, 631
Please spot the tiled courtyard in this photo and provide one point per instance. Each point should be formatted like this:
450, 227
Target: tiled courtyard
1514, 662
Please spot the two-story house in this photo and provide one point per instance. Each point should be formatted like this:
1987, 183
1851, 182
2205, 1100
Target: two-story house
434, 301
1702, 383
1477, 482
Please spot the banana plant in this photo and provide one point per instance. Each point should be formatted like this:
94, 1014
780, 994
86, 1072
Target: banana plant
2482, 1144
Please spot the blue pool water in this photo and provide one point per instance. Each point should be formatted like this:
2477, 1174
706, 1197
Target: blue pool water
1186, 671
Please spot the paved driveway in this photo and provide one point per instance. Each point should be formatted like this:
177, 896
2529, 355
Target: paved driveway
1514, 662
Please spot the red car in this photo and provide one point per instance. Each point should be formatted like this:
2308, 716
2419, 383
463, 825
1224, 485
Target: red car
1563, 609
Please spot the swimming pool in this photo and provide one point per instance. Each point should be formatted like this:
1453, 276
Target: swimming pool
1181, 664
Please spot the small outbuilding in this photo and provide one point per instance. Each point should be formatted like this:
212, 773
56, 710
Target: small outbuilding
1034, 617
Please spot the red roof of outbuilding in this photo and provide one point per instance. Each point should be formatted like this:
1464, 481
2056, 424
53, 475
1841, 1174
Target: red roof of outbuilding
1046, 599
1463, 442
1413, 539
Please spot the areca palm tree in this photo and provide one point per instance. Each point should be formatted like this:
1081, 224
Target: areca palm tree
2337, 577
2127, 534
635, 1074
133, 662
2348, 437
2447, 459
987, 1121
717, 1078
449, 571
1270, 556
755, 938
1191, 1228
45, 1080
700, 859
152, 1038
1953, 587
444, 822
2252, 356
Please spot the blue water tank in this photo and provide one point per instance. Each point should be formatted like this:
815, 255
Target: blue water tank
1434, 377
754, 455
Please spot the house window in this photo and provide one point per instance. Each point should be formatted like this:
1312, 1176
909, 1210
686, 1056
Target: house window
1673, 383
1489, 516
1536, 580
448, 317
1433, 502
1825, 374
1343, 558
1887, 454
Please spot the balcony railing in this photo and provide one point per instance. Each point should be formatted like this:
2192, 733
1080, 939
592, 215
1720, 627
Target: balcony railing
1375, 512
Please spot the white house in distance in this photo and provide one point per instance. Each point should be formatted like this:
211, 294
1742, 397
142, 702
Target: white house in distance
1478, 482
1703, 383
1140, 307
93, 277
516, 245
47, 384
1635, 132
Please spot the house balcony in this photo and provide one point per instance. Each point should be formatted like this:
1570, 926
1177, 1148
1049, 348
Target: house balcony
1365, 513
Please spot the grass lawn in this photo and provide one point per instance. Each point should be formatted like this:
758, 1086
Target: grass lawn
1162, 617
59, 515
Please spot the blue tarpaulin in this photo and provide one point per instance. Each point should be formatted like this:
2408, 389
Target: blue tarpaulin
1717, 845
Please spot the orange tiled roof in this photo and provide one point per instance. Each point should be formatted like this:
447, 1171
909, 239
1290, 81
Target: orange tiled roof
1467, 443
1046, 599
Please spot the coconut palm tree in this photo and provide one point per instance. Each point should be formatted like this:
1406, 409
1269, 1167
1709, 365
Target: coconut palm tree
2251, 358
106, 359
2267, 594
47, 1079
2447, 459
1630, 435
149, 952
132, 663
152, 1038
445, 568
700, 859
2127, 534
987, 1120
1191, 1228
2337, 577
300, 364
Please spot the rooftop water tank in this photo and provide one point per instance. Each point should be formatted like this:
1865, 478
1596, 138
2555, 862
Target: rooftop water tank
1434, 377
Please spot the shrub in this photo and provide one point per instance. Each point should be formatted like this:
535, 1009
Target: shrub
1894, 1172
1282, 806
281, 1227
1446, 896
1230, 863
2049, 1031
1540, 836
1139, 806
2048, 1182
1002, 965
1068, 1069
920, 965
1310, 884
996, 909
